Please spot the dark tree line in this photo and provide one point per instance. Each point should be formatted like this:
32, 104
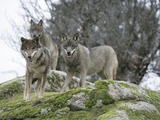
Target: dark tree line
131, 27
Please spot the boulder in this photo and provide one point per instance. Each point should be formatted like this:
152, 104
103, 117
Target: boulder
103, 100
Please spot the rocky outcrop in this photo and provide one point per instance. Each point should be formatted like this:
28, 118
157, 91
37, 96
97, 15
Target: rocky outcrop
55, 80
104, 100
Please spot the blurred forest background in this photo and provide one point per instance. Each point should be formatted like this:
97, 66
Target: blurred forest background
131, 27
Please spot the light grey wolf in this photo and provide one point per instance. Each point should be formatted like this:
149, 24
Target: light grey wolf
37, 29
78, 59
38, 60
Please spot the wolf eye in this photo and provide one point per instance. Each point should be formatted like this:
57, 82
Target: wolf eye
24, 48
73, 46
65, 47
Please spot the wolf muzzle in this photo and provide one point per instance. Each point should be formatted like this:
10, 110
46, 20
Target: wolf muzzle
30, 56
70, 53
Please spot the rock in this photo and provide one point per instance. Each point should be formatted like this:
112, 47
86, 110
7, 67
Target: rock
44, 111
121, 90
104, 100
141, 105
117, 115
78, 101
10, 90
55, 80
62, 112
99, 103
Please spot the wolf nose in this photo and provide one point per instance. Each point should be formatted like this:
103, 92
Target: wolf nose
68, 53
29, 57
34, 36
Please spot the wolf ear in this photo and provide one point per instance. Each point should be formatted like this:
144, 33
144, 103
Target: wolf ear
40, 22
76, 37
32, 22
64, 37
23, 40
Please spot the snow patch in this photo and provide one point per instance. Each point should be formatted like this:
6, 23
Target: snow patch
151, 81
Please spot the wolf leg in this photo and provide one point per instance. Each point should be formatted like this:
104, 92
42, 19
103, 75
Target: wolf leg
83, 78
37, 90
108, 73
25, 89
114, 73
42, 86
28, 86
54, 62
67, 81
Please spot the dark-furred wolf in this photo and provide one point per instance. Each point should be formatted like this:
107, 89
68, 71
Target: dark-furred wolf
78, 59
37, 29
38, 59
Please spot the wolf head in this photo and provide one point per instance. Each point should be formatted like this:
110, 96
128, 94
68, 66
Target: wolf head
69, 45
36, 29
30, 47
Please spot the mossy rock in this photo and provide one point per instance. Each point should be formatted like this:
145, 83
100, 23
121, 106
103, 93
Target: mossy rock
131, 110
107, 100
10, 90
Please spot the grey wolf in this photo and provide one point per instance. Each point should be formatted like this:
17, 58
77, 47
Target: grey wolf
38, 59
78, 59
37, 29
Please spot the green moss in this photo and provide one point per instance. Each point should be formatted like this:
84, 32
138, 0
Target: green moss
112, 113
92, 114
101, 84
108, 116
142, 115
81, 115
54, 105
60, 100
154, 98
111, 81
126, 85
10, 90
75, 115
138, 114
63, 111
100, 93
20, 109
17, 108
53, 80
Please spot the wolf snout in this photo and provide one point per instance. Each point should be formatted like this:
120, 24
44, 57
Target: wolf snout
29, 57
69, 53
34, 36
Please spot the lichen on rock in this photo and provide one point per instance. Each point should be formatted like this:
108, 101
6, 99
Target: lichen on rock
105, 100
78, 101
10, 90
